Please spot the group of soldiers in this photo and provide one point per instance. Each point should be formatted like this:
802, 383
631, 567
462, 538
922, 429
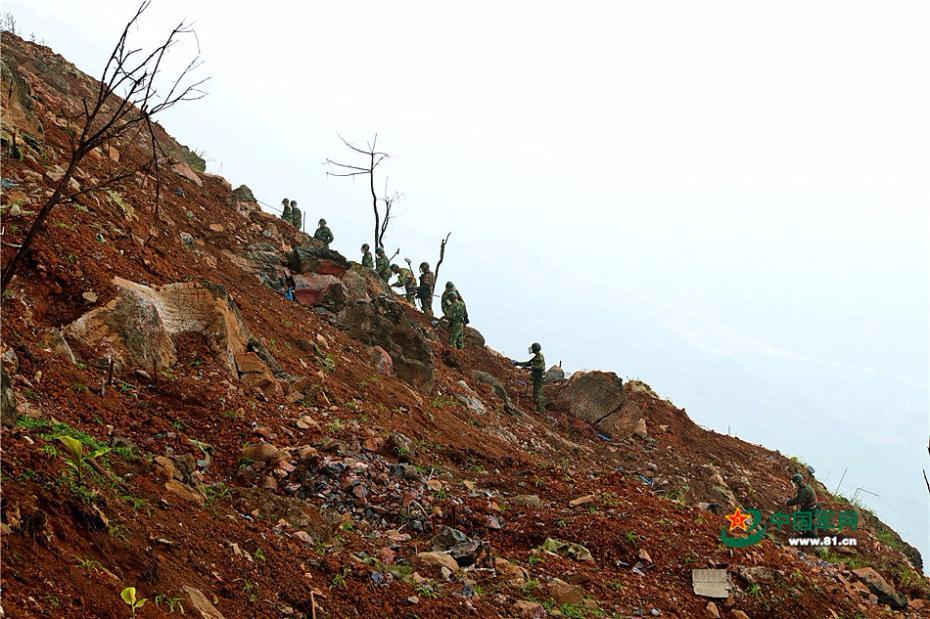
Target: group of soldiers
291, 214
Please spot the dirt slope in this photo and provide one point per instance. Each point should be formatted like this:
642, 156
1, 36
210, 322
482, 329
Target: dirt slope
317, 494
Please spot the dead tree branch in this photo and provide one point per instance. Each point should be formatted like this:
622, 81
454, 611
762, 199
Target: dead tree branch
374, 159
442, 256
124, 103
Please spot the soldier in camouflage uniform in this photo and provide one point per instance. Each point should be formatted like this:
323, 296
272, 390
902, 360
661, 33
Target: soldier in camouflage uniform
444, 300
382, 265
367, 260
296, 219
407, 281
323, 234
805, 499
425, 291
286, 213
456, 315
537, 365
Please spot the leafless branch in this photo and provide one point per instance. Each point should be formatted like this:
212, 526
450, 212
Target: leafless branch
374, 158
442, 256
125, 101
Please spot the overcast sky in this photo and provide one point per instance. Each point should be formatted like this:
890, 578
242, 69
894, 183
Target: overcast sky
728, 200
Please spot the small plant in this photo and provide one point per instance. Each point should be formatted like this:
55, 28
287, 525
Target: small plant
91, 565
77, 458
137, 502
174, 603
177, 424
119, 531
426, 590
755, 589
334, 426
534, 559
80, 388
259, 554
129, 596
632, 537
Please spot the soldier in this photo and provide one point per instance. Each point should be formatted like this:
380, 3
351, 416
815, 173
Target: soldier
425, 291
805, 498
382, 265
444, 300
323, 233
286, 213
296, 218
456, 316
367, 260
407, 281
537, 365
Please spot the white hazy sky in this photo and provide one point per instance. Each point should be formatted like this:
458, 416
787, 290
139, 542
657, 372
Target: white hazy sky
726, 199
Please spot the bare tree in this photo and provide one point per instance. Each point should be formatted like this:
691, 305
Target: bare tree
374, 159
442, 256
123, 106
388, 202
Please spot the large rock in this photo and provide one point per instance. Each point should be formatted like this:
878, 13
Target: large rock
315, 258
136, 328
881, 588
320, 289
599, 399
384, 322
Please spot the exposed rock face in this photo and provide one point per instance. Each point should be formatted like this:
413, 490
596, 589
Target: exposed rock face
881, 588
383, 322
137, 326
313, 257
599, 399
319, 289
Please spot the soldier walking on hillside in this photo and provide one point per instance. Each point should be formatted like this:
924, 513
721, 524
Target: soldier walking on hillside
296, 218
382, 265
425, 291
537, 365
407, 281
367, 260
805, 499
446, 295
456, 315
323, 234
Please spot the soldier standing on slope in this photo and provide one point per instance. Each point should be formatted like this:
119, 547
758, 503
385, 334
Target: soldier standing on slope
366, 257
456, 316
286, 213
537, 365
323, 234
382, 265
425, 291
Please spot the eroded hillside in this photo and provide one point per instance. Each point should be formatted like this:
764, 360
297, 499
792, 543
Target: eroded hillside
333, 456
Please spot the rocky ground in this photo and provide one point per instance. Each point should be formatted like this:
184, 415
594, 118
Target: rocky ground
248, 456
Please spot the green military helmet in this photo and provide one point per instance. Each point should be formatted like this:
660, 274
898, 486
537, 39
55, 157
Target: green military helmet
797, 478
395, 268
450, 286
365, 247
322, 222
379, 251
293, 203
285, 202
424, 266
453, 297
535, 347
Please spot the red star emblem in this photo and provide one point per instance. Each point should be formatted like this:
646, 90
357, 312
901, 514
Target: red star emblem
738, 520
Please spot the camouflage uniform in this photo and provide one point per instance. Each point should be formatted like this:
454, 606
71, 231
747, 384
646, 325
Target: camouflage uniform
324, 234
456, 316
406, 280
805, 499
367, 260
286, 214
537, 367
425, 291
444, 302
383, 267
296, 219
